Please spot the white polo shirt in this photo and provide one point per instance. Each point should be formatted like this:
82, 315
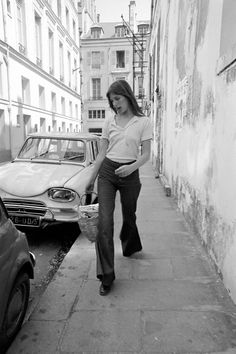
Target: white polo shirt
124, 142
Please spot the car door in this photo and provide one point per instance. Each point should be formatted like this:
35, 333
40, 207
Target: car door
7, 243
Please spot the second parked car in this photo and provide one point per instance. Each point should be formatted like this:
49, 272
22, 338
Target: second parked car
16, 268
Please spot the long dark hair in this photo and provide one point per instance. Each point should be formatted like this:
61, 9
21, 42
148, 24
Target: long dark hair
121, 87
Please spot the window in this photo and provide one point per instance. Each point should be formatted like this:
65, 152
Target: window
18, 120
143, 29
63, 105
54, 125
67, 20
21, 26
75, 75
59, 8
96, 60
42, 125
96, 114
70, 106
140, 87
51, 51
69, 68
25, 90
61, 61
96, 89
227, 40
120, 31
120, 58
41, 97
76, 111
95, 130
94, 145
38, 40
74, 30
228, 26
95, 33
54, 105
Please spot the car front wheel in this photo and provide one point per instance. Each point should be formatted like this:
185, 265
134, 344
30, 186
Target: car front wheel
16, 309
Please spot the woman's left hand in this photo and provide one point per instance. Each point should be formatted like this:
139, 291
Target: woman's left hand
124, 171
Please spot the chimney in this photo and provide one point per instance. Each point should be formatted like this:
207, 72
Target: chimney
132, 15
98, 18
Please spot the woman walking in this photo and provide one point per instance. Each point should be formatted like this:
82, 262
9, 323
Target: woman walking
117, 167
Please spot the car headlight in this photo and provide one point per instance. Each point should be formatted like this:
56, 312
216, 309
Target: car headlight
61, 194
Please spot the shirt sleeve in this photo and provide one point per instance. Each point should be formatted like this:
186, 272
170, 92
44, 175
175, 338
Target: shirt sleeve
147, 130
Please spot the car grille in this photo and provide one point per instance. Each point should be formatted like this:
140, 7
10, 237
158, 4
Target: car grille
25, 206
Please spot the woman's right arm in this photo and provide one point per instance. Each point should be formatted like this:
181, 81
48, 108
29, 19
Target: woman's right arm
97, 164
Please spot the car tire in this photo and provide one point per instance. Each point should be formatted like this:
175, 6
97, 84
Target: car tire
16, 309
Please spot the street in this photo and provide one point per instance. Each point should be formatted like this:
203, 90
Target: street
49, 248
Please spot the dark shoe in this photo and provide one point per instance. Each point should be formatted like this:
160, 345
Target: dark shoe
104, 289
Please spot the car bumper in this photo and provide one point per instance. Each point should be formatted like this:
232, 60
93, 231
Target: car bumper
33, 259
36, 214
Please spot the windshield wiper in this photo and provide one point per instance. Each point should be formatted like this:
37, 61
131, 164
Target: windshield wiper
36, 156
75, 157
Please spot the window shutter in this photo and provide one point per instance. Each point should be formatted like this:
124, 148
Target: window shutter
113, 58
126, 57
102, 58
88, 89
89, 58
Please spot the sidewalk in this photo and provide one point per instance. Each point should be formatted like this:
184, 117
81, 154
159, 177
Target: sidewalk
166, 299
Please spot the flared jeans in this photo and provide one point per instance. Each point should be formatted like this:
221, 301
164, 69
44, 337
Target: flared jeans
129, 187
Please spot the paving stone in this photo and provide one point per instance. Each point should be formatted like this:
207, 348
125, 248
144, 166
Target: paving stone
57, 301
184, 267
154, 294
99, 331
187, 332
38, 337
153, 269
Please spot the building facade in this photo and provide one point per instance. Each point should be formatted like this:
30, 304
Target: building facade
39, 70
111, 51
192, 94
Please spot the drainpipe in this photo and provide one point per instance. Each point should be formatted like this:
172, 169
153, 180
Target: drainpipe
6, 59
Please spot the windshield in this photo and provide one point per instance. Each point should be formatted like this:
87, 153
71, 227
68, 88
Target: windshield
53, 149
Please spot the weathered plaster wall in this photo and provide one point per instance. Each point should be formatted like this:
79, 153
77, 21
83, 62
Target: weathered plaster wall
199, 126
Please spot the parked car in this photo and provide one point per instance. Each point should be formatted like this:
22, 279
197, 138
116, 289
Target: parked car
43, 185
16, 265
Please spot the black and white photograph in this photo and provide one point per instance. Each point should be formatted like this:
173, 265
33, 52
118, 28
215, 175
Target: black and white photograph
117, 177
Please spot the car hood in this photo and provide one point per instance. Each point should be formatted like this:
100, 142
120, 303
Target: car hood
25, 179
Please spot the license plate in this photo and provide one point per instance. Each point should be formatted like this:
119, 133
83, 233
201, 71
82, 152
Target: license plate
25, 220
